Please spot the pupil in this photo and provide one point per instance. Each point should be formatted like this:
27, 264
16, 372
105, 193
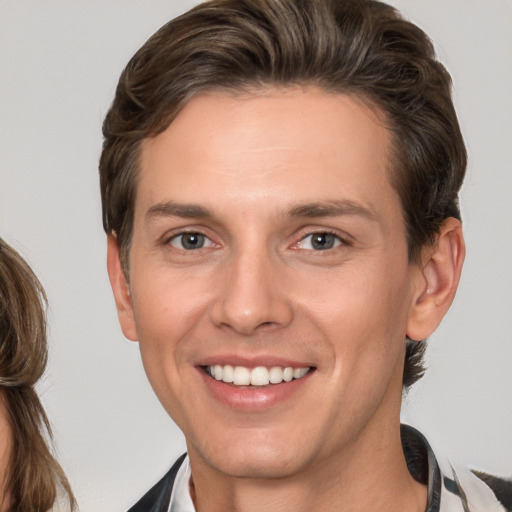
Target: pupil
193, 241
323, 241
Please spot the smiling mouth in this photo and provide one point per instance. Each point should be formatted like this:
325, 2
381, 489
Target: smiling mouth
255, 377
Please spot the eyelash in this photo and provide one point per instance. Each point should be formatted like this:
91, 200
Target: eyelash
169, 239
339, 240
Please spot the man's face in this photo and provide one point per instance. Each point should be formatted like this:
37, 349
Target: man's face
267, 235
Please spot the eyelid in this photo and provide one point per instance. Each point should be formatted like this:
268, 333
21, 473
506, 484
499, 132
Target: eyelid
177, 232
207, 242
344, 238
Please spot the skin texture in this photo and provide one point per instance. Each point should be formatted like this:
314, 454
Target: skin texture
268, 171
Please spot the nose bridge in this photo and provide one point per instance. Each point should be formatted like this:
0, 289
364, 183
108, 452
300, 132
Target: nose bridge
252, 295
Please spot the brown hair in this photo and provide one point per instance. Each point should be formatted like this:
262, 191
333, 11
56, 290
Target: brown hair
361, 47
33, 473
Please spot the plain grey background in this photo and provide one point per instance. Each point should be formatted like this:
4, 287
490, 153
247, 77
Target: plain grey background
59, 63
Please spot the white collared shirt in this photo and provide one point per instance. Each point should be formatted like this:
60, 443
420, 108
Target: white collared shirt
180, 497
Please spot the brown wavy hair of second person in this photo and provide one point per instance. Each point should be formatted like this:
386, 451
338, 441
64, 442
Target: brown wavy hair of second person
33, 479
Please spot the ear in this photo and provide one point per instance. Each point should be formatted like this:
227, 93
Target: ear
441, 267
121, 289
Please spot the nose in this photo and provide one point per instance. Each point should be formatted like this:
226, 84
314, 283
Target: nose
252, 296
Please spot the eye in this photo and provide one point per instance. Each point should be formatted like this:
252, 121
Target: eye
190, 241
320, 241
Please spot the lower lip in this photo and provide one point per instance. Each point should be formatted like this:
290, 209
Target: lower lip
252, 399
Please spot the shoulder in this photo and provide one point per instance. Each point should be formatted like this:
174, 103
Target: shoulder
484, 491
501, 487
158, 497
451, 488
475, 491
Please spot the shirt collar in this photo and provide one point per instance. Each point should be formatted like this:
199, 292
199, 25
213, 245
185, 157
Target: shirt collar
422, 464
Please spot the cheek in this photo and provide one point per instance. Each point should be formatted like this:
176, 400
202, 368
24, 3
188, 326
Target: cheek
168, 311
166, 301
358, 298
164, 322
363, 314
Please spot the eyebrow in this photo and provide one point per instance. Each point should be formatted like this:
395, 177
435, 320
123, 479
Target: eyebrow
335, 208
172, 209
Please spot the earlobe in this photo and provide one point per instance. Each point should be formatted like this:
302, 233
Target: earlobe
441, 269
120, 289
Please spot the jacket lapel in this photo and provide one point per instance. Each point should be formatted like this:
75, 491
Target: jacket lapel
157, 499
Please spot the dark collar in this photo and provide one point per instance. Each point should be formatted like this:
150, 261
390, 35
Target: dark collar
158, 497
422, 464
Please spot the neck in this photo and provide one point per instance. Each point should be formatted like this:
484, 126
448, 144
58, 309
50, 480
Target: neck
370, 474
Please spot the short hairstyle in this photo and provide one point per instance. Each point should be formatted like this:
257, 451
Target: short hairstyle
33, 474
359, 47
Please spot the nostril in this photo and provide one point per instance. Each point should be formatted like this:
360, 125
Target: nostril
248, 313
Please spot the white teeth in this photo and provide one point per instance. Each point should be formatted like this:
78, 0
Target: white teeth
228, 373
242, 376
299, 372
276, 375
259, 376
288, 374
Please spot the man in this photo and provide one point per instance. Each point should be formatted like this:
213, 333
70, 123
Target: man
280, 192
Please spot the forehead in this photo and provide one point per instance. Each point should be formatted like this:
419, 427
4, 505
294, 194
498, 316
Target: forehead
295, 145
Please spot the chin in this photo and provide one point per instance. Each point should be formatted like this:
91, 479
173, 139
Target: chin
250, 459
258, 467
